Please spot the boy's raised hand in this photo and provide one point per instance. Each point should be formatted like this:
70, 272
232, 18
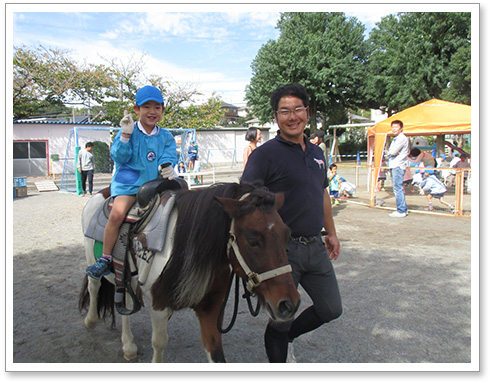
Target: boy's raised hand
127, 123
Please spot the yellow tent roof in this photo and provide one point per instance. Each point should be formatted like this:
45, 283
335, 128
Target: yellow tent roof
432, 117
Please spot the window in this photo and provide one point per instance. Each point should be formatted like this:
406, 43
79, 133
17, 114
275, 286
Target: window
37, 149
30, 149
21, 150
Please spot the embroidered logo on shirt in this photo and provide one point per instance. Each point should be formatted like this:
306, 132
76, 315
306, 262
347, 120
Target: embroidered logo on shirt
321, 163
151, 156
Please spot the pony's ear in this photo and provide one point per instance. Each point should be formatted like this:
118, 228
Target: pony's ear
279, 201
231, 206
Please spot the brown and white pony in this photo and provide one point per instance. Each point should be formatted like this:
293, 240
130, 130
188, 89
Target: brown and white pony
210, 233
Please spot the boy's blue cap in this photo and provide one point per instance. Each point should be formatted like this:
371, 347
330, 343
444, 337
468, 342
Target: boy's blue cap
443, 156
455, 154
148, 93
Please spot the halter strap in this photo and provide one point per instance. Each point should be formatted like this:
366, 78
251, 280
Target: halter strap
253, 279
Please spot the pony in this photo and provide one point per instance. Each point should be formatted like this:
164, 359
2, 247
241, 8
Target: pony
212, 234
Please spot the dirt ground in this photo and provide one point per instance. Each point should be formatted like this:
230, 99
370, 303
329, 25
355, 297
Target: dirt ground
405, 284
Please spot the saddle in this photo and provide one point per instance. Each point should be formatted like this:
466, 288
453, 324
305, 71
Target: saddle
148, 217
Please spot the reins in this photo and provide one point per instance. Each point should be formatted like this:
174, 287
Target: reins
247, 295
253, 279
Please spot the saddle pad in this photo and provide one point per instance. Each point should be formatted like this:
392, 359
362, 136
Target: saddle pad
154, 231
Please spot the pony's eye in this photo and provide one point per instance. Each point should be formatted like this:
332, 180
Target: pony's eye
253, 242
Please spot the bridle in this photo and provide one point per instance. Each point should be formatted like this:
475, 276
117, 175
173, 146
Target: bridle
253, 279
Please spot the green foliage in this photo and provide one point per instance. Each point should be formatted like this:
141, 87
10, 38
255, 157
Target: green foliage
44, 77
102, 157
355, 140
194, 116
412, 58
325, 52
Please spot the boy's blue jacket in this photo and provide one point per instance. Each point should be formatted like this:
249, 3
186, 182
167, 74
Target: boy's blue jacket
137, 161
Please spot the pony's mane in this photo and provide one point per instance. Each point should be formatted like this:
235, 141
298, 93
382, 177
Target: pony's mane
200, 240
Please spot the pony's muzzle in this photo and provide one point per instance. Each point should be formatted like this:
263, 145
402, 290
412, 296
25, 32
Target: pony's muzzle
284, 310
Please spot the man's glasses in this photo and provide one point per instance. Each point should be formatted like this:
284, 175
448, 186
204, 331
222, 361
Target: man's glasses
286, 112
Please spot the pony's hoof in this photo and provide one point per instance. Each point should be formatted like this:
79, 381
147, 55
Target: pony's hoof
90, 325
130, 357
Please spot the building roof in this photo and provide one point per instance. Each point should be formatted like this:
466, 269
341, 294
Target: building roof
45, 122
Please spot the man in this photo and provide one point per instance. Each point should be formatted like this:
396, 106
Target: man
398, 162
291, 164
86, 167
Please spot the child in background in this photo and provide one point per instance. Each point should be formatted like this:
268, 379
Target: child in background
192, 152
334, 183
380, 186
436, 189
347, 189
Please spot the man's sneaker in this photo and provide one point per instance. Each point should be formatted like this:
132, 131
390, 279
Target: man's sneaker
99, 268
291, 358
397, 214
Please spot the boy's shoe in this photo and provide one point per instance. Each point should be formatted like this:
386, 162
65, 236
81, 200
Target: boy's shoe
336, 203
429, 208
99, 268
344, 197
453, 209
397, 214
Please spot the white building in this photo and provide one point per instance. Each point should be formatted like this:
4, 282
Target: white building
40, 147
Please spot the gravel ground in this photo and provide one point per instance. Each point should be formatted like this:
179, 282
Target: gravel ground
405, 285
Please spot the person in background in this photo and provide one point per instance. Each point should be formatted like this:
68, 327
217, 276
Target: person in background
253, 136
398, 162
318, 138
436, 189
334, 182
86, 167
192, 152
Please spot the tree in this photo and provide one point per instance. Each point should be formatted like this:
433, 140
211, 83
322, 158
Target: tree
325, 52
411, 57
459, 73
194, 116
44, 77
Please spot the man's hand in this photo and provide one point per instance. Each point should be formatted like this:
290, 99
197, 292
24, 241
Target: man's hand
333, 246
127, 123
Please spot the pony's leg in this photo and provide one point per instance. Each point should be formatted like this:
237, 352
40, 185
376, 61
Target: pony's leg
211, 337
159, 336
93, 289
129, 347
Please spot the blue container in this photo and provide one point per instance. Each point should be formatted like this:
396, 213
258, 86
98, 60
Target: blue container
20, 182
14, 191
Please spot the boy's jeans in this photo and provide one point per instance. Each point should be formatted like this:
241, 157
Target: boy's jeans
397, 175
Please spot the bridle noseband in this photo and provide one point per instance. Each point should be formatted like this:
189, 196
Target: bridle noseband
253, 279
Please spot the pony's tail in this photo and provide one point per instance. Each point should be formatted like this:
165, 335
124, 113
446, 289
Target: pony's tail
105, 300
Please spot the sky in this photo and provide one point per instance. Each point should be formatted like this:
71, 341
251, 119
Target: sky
207, 46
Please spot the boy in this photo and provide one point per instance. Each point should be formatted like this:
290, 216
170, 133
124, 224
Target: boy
334, 182
86, 167
138, 151
436, 189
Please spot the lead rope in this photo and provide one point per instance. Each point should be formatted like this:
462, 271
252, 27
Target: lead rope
235, 309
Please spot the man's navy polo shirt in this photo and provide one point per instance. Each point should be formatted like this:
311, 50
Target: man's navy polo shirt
284, 167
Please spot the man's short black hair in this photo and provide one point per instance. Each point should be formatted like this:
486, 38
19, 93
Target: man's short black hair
296, 90
397, 122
